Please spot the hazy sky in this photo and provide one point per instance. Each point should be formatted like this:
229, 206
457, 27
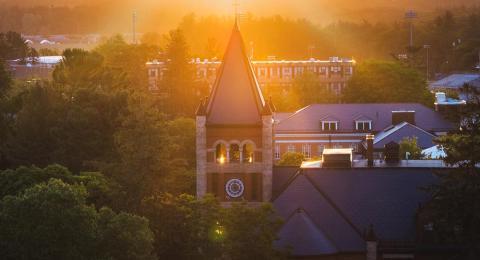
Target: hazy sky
166, 13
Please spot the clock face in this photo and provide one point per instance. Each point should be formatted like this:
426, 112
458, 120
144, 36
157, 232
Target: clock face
234, 188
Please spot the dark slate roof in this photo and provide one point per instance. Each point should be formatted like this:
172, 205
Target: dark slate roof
343, 203
301, 193
308, 119
300, 230
456, 81
236, 97
399, 132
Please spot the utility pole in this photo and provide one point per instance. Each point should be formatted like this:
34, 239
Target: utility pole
427, 47
410, 15
134, 24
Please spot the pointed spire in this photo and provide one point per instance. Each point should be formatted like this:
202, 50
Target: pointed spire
236, 97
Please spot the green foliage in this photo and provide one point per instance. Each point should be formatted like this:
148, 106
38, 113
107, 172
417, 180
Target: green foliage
455, 207
52, 221
386, 82
51, 127
183, 93
5, 80
128, 58
409, 144
13, 46
100, 189
187, 228
291, 159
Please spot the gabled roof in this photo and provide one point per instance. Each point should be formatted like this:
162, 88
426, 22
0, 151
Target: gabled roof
342, 202
301, 193
399, 132
299, 229
456, 81
236, 97
308, 118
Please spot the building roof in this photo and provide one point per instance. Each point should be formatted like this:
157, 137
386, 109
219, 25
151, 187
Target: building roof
308, 118
343, 203
399, 132
299, 229
236, 97
456, 81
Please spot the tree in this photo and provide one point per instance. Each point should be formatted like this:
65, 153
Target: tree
386, 82
5, 81
101, 190
311, 91
182, 91
409, 145
455, 206
52, 221
129, 59
188, 228
291, 159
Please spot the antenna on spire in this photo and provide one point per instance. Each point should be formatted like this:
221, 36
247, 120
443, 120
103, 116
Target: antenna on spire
237, 14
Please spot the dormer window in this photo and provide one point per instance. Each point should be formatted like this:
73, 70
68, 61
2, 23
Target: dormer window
363, 125
329, 125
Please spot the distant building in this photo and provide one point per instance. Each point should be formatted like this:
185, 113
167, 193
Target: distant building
34, 68
339, 208
333, 73
454, 83
312, 129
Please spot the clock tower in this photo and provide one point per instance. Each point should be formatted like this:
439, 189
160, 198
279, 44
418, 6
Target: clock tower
234, 132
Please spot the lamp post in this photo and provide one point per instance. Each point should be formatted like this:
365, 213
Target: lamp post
427, 47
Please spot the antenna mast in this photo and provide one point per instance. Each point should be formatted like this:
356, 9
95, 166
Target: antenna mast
134, 24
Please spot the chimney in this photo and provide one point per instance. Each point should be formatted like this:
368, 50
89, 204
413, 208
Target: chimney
403, 116
370, 150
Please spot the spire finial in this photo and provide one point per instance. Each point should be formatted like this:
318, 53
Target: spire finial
236, 5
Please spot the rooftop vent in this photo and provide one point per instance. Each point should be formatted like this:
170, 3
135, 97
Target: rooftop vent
403, 116
337, 158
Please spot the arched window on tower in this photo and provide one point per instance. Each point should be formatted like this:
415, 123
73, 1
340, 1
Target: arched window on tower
248, 153
221, 153
234, 153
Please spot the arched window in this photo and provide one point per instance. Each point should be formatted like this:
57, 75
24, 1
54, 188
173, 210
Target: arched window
248, 153
234, 153
221, 153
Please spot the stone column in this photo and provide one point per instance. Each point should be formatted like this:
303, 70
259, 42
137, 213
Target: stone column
267, 156
201, 153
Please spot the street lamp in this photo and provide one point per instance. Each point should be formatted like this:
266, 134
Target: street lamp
427, 47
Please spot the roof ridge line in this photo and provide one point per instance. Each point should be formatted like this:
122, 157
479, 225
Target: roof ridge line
287, 184
335, 207
325, 233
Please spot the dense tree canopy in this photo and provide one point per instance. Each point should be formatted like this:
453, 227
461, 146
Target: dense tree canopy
386, 82
53, 221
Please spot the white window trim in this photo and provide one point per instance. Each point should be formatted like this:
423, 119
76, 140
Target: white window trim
330, 122
362, 122
307, 151
277, 151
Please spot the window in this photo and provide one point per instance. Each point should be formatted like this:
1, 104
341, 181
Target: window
153, 73
248, 153
291, 148
277, 151
329, 125
363, 125
234, 153
307, 151
221, 153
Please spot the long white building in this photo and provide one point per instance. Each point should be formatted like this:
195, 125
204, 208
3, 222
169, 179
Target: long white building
334, 73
